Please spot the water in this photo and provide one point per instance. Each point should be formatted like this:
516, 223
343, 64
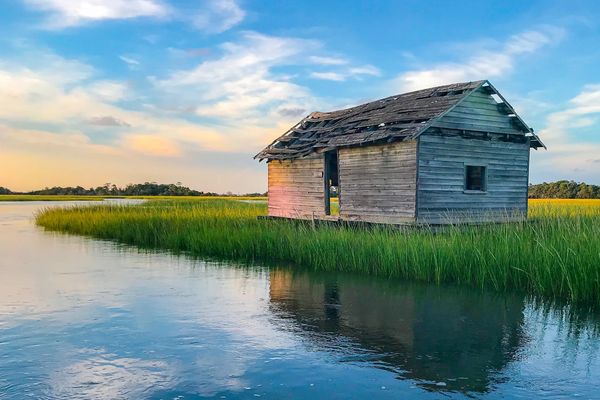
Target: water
85, 319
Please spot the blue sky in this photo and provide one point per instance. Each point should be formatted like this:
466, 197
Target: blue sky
171, 90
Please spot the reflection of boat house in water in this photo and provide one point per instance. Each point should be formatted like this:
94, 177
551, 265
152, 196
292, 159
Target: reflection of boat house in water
454, 153
445, 339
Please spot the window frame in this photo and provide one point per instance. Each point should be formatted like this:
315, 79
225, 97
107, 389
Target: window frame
484, 178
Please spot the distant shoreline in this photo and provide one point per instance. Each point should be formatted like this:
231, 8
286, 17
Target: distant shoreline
58, 197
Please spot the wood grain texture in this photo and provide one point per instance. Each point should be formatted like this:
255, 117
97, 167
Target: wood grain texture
296, 188
480, 112
442, 198
378, 183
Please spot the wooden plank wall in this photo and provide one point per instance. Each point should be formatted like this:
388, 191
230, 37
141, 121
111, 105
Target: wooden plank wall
296, 188
479, 112
441, 194
378, 183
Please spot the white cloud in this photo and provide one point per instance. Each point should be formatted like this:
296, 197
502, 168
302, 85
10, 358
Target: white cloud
241, 82
67, 13
581, 113
65, 112
487, 63
53, 142
110, 91
321, 60
69, 106
218, 16
364, 70
211, 16
568, 153
131, 62
346, 73
328, 76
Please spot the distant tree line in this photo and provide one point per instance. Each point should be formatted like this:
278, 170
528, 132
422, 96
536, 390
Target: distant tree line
137, 189
552, 190
564, 190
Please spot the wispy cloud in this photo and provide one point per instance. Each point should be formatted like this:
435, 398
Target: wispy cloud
328, 76
218, 16
582, 111
110, 91
72, 104
131, 62
242, 83
496, 60
346, 73
323, 60
568, 149
210, 16
68, 13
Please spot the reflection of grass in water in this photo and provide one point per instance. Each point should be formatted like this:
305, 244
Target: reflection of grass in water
555, 254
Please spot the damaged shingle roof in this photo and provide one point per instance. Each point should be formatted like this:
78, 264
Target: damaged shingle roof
393, 118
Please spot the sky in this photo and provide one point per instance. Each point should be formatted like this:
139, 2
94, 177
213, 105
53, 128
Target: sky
127, 91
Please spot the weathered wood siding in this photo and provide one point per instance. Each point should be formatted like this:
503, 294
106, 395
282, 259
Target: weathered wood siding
441, 179
378, 183
296, 188
479, 112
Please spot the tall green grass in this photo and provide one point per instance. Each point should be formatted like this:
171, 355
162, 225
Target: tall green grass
555, 254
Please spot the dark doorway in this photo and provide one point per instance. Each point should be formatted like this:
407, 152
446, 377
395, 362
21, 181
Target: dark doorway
332, 188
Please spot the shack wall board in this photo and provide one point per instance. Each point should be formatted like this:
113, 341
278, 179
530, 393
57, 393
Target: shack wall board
378, 183
296, 188
479, 112
442, 197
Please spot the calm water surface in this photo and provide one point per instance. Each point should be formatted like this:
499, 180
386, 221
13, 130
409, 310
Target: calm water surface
84, 319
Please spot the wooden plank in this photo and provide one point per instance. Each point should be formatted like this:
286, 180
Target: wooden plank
441, 178
296, 188
488, 112
378, 182
472, 127
484, 124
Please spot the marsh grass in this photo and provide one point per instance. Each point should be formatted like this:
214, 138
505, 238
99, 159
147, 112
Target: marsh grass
555, 254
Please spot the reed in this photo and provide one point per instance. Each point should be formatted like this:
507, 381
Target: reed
555, 254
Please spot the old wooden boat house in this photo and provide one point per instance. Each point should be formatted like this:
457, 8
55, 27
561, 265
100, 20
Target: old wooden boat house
453, 153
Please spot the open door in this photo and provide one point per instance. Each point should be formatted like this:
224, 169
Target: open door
332, 188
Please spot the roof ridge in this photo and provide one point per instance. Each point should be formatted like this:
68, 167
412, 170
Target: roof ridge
478, 82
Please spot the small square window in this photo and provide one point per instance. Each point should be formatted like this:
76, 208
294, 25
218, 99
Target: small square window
475, 178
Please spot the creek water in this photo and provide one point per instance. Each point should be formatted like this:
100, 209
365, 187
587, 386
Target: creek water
87, 319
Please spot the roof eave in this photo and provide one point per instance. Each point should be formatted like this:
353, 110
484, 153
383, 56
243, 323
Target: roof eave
536, 139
